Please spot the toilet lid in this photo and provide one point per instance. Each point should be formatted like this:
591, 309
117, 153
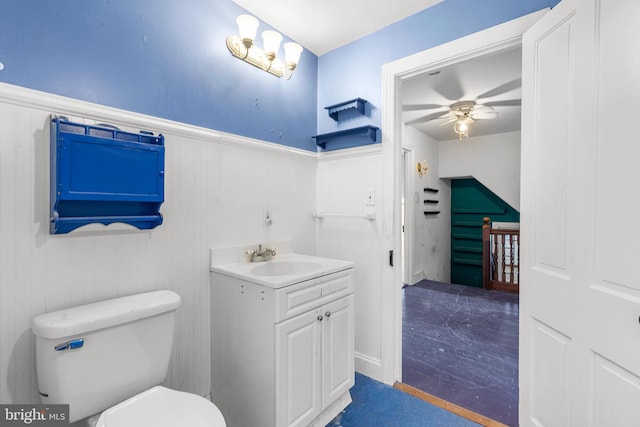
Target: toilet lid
163, 407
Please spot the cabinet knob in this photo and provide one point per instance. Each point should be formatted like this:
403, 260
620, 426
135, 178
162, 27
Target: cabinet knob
328, 314
320, 318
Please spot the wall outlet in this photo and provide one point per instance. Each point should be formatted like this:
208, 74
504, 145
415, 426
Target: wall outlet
371, 197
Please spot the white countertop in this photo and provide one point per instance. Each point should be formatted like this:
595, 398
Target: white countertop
292, 268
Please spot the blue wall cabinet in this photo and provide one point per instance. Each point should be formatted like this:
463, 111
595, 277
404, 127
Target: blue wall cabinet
100, 174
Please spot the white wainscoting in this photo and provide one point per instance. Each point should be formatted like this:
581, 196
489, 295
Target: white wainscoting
216, 188
344, 180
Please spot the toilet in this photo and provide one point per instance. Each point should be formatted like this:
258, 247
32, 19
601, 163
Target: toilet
107, 360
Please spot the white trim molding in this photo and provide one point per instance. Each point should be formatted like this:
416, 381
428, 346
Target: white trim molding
61, 105
365, 150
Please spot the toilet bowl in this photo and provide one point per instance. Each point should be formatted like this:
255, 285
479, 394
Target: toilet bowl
106, 360
162, 407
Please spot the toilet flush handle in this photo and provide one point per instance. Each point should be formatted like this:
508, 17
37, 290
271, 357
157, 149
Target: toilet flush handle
70, 345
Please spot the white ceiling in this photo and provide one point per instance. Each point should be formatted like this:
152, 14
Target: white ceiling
323, 25
493, 80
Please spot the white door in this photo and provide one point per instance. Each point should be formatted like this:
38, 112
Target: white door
337, 349
298, 369
580, 292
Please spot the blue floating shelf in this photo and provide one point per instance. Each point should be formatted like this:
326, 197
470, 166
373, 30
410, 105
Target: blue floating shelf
100, 174
371, 132
357, 104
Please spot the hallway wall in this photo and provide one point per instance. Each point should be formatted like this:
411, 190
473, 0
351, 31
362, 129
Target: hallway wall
494, 160
430, 233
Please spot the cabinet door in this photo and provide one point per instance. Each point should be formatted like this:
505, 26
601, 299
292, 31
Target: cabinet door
298, 340
337, 349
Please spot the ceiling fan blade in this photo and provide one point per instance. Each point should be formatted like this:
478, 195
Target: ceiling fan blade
503, 88
481, 107
449, 87
484, 115
428, 117
449, 121
418, 107
505, 103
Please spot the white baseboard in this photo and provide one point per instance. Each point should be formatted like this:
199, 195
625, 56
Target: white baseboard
418, 276
369, 366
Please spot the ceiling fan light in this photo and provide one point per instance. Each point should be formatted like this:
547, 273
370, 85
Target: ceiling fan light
461, 126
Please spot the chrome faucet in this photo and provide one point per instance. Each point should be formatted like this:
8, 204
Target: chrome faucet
258, 255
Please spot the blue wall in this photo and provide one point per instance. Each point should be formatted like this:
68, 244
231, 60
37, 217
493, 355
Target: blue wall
169, 59
355, 70
164, 58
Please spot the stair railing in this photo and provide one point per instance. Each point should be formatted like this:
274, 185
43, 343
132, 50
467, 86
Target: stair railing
500, 258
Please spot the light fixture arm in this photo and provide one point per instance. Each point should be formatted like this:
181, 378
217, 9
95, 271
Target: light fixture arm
244, 48
254, 56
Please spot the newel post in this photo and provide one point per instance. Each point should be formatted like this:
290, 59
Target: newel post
486, 252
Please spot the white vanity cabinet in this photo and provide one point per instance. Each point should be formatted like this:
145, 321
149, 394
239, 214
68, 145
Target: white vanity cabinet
282, 357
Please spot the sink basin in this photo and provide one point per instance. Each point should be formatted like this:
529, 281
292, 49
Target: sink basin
284, 268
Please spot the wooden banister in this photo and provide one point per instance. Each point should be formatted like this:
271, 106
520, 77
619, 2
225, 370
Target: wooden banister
486, 251
500, 258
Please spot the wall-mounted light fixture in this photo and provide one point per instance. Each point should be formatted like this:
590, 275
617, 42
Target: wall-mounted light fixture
242, 47
422, 167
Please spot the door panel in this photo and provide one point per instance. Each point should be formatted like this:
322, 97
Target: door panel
616, 395
580, 293
554, 105
614, 296
338, 349
547, 281
616, 206
298, 369
549, 370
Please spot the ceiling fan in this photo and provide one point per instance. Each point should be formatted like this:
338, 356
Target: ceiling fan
464, 113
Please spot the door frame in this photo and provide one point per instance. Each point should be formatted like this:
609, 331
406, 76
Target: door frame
408, 190
494, 39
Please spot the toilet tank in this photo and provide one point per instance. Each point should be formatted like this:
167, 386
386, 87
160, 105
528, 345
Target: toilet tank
94, 356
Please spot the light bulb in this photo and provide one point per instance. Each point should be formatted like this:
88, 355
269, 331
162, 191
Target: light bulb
271, 41
461, 126
292, 52
247, 28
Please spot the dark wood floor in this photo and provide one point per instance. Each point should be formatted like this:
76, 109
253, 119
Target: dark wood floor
460, 344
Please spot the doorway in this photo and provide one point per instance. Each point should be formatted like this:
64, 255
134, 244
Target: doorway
505, 36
